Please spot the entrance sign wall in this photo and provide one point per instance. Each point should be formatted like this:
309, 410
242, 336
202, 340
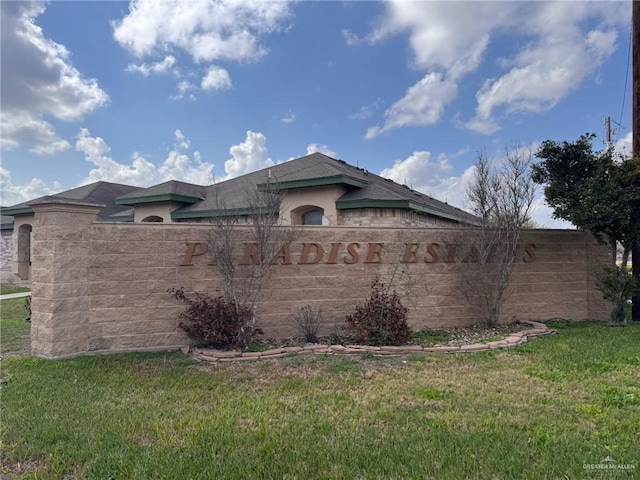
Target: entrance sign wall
102, 287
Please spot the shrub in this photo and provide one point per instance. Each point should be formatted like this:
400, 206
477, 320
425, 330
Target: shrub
27, 307
308, 321
381, 320
617, 286
212, 321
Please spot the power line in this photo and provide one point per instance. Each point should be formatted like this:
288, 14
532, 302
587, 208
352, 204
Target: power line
626, 82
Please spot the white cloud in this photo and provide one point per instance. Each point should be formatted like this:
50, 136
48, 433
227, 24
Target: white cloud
142, 172
542, 215
432, 176
557, 46
12, 194
422, 172
624, 145
208, 31
351, 38
22, 128
362, 114
184, 89
290, 117
543, 74
183, 142
248, 156
317, 147
158, 68
423, 104
445, 35
217, 78
38, 80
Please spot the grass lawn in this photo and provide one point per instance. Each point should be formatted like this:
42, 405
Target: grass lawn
540, 411
14, 329
6, 289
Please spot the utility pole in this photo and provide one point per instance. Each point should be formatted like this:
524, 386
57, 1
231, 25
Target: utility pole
607, 125
635, 139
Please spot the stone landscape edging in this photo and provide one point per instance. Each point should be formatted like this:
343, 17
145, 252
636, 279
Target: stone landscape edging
512, 340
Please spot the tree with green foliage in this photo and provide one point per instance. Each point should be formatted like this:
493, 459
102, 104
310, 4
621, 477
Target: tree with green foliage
597, 191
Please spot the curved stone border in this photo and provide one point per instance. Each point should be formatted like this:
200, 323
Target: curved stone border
513, 340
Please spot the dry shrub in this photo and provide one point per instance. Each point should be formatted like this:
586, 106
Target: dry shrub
381, 320
213, 321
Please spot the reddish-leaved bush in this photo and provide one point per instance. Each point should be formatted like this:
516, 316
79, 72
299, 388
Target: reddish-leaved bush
212, 321
381, 320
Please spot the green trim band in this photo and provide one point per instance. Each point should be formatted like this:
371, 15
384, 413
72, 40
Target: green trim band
11, 212
313, 182
233, 212
163, 197
367, 203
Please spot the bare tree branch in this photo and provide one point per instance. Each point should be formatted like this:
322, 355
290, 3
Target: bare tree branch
503, 198
244, 246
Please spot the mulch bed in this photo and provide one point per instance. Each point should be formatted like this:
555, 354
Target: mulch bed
467, 335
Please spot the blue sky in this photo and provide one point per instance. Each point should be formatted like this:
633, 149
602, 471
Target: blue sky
146, 91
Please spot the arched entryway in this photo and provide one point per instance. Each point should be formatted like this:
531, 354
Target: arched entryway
23, 252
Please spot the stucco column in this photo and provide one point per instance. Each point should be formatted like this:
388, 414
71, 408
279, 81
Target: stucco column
60, 277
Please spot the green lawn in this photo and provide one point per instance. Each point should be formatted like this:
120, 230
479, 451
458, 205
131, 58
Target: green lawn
540, 411
14, 329
6, 288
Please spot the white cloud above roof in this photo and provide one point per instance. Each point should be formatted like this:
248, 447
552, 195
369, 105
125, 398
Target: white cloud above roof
318, 147
429, 175
247, 156
557, 46
12, 194
38, 81
432, 176
141, 172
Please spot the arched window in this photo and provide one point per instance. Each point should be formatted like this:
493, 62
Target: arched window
153, 218
312, 217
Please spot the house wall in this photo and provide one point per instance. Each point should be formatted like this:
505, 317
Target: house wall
100, 287
6, 250
159, 209
389, 217
322, 197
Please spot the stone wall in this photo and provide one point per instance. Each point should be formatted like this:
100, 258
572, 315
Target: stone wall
7, 274
101, 287
390, 217
6, 250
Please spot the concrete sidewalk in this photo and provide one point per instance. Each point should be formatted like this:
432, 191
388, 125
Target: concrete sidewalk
9, 296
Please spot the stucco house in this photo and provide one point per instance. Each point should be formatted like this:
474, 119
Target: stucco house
314, 190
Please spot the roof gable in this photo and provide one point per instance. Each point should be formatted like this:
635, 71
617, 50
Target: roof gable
365, 189
172, 190
100, 193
